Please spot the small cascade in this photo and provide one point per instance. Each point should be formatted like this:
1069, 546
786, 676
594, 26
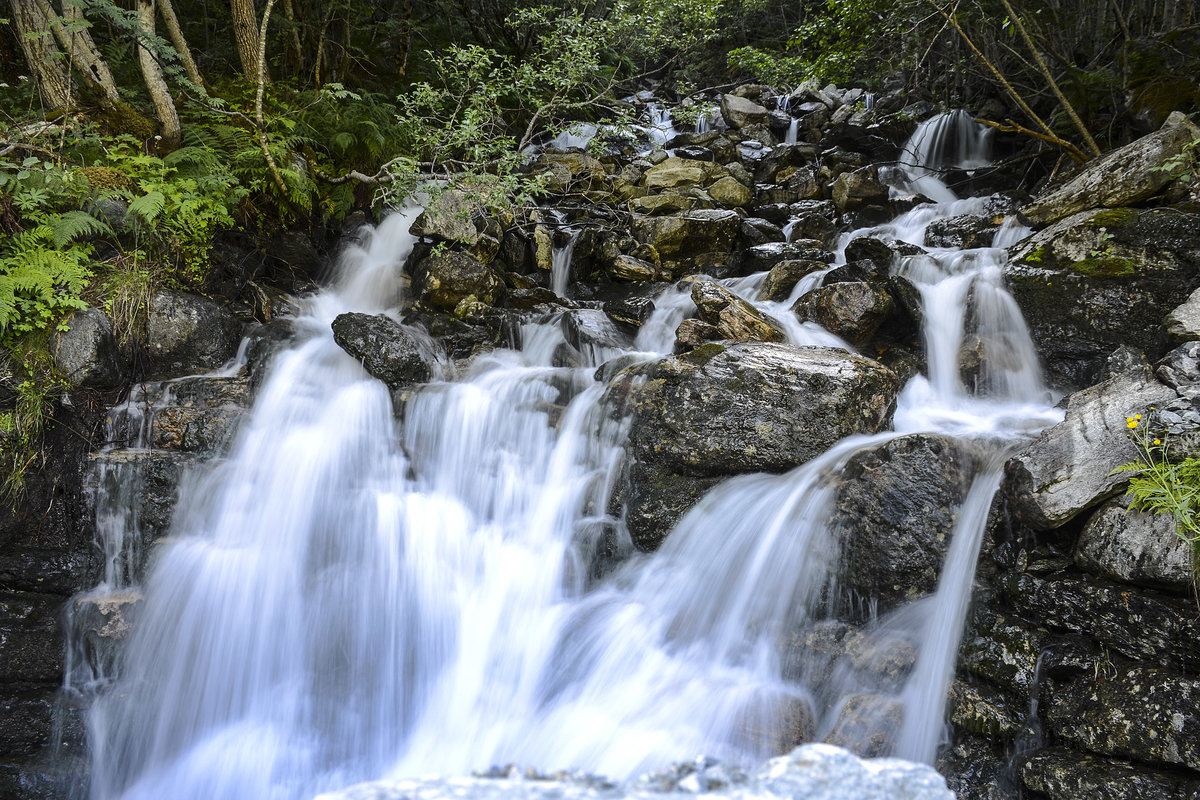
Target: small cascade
560, 260
661, 129
952, 141
793, 131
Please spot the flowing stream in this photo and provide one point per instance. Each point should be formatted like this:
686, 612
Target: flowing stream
346, 597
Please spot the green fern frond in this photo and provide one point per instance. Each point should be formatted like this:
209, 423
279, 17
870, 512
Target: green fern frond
75, 224
148, 206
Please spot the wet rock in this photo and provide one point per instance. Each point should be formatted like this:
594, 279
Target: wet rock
630, 311
720, 411
590, 329
852, 190
697, 241
759, 231
763, 257
814, 224
1157, 629
1068, 468
1120, 178
204, 431
894, 513
444, 280
1135, 712
880, 660
86, 353
983, 712
634, 270
1183, 322
1180, 368
669, 203
267, 341
676, 172
784, 276
1101, 279
731, 317
964, 231
785, 157
30, 638
867, 725
976, 769
102, 622
729, 193
481, 330
151, 479
739, 112
852, 310
386, 350
880, 252
186, 334
1003, 652
1063, 774
1135, 547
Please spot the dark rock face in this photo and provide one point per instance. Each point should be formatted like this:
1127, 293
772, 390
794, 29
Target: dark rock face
1100, 279
894, 513
86, 353
1064, 774
1145, 714
188, 334
446, 279
853, 310
385, 348
720, 411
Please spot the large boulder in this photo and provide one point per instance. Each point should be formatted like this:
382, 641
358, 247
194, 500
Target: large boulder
186, 334
1068, 469
675, 173
721, 411
853, 310
1136, 547
86, 354
696, 241
1123, 177
853, 190
446, 279
385, 348
784, 275
740, 112
894, 514
1100, 279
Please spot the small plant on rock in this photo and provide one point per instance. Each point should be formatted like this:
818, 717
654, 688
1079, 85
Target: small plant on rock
1160, 485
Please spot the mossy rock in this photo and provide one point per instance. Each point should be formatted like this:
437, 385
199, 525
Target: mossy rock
99, 177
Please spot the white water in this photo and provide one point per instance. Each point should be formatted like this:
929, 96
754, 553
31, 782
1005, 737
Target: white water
560, 263
345, 598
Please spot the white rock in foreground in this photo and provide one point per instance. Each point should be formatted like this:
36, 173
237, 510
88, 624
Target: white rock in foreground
810, 772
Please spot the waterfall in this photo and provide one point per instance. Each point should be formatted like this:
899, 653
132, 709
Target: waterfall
560, 261
944, 142
344, 596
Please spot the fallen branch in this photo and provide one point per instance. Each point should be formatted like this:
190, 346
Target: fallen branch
1010, 126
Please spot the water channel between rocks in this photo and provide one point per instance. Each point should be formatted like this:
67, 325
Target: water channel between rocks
346, 597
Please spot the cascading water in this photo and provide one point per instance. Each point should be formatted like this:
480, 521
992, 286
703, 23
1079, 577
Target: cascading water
346, 597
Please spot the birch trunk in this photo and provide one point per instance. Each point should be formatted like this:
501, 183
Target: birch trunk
156, 84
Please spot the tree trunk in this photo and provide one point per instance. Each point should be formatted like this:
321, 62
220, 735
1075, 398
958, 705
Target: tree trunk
77, 42
289, 12
406, 11
156, 84
41, 54
181, 46
245, 36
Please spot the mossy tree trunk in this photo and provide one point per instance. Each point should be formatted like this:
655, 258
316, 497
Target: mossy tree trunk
156, 84
46, 62
245, 36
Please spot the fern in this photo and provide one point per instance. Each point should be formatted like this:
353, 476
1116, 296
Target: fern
148, 206
75, 224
